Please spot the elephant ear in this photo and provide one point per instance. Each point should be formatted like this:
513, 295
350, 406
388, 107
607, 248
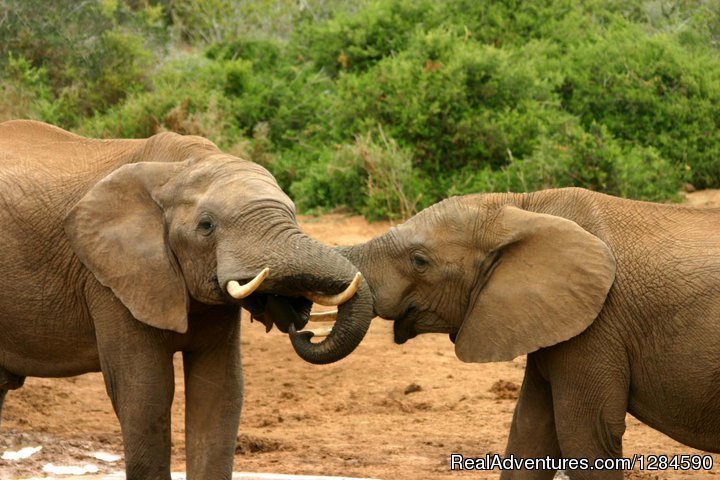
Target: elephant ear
117, 231
548, 283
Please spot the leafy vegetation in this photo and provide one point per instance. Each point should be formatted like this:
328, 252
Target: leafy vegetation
384, 107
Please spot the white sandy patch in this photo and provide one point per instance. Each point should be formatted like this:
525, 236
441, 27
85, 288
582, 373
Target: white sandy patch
21, 454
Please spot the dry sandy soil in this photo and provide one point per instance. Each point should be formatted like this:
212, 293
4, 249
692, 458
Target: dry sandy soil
388, 412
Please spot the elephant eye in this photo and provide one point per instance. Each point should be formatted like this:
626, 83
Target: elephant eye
205, 226
419, 261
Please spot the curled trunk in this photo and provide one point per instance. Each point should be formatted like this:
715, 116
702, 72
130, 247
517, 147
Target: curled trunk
353, 321
300, 269
326, 271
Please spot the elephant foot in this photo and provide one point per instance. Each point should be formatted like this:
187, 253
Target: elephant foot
9, 381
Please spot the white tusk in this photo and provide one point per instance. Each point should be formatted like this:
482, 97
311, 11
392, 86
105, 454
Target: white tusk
340, 298
241, 291
328, 316
320, 331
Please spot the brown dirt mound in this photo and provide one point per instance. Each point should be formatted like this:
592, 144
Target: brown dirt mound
249, 445
504, 390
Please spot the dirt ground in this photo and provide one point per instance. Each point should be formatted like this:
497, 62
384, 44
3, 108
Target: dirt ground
388, 411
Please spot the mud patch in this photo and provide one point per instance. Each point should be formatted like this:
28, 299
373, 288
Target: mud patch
250, 445
637, 475
56, 450
505, 390
412, 388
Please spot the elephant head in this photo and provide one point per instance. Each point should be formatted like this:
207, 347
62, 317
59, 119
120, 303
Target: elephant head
182, 223
501, 279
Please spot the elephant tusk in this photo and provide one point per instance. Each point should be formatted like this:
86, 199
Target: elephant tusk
238, 291
340, 298
328, 316
320, 331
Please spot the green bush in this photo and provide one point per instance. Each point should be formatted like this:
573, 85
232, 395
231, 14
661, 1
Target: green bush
93, 54
651, 92
24, 90
189, 96
424, 100
356, 41
384, 107
595, 160
209, 22
374, 175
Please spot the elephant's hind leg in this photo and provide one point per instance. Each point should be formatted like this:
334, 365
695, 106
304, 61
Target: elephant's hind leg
3, 392
532, 433
8, 381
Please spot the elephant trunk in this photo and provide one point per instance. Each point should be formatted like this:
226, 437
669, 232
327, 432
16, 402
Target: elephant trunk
331, 273
299, 267
353, 321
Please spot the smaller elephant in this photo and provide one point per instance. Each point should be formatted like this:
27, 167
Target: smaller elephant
616, 302
116, 254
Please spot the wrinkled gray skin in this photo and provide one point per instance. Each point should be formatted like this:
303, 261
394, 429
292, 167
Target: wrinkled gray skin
116, 255
616, 302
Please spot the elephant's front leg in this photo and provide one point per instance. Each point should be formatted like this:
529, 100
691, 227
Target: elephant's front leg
590, 401
137, 366
532, 433
213, 399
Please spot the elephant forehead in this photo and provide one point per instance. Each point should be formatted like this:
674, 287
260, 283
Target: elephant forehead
434, 235
450, 216
236, 196
223, 179
223, 167
246, 187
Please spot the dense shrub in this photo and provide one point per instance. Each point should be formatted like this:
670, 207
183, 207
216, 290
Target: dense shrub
373, 173
596, 160
355, 41
24, 90
384, 107
650, 91
456, 104
207, 22
93, 53
189, 96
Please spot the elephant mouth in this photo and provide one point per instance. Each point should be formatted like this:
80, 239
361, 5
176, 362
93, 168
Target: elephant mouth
282, 311
274, 301
414, 323
404, 327
272, 309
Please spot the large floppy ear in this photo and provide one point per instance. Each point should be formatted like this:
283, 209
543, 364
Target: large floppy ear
117, 231
548, 283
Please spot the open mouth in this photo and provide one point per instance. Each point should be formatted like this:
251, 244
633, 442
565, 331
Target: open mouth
404, 327
279, 310
414, 322
286, 311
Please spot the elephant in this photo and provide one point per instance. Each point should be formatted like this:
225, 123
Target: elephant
615, 302
116, 254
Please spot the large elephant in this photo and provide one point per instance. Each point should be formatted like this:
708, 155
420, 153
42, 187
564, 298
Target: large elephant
616, 302
118, 253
